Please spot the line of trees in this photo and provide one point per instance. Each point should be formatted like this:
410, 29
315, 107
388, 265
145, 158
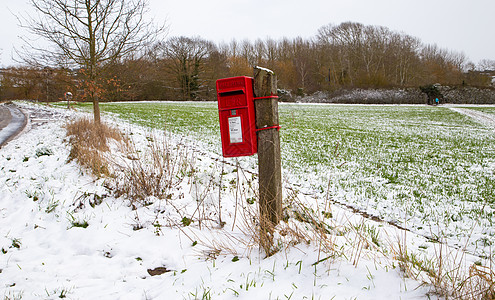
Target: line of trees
348, 55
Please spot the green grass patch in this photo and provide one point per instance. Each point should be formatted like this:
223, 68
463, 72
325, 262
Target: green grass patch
428, 166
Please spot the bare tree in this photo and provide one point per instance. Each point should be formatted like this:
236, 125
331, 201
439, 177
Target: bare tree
88, 34
301, 61
402, 60
442, 65
486, 65
271, 53
237, 63
259, 52
185, 60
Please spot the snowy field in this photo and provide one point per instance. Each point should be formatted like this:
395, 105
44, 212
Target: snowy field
64, 234
428, 169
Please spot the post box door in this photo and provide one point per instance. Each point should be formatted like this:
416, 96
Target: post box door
236, 130
237, 119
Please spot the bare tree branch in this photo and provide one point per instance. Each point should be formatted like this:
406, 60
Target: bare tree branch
88, 33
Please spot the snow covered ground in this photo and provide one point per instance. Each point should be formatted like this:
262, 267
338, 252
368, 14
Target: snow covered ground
64, 234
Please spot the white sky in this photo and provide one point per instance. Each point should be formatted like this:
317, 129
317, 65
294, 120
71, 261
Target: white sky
459, 25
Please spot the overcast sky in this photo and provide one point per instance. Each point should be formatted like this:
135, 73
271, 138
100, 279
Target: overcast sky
458, 25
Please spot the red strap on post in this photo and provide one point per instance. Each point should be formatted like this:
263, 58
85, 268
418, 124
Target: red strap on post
269, 127
265, 97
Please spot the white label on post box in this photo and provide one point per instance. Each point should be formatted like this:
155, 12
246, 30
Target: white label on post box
235, 130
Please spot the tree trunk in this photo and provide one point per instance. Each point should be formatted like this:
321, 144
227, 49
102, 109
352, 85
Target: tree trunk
93, 63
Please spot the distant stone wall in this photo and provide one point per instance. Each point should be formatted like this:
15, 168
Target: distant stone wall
371, 96
454, 95
468, 95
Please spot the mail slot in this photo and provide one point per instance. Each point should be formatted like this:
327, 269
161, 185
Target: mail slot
237, 116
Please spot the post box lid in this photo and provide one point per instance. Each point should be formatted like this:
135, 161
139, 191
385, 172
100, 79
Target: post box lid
233, 83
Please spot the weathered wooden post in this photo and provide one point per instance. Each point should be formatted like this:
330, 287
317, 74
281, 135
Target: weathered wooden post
269, 162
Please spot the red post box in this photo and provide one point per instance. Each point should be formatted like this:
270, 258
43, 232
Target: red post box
237, 116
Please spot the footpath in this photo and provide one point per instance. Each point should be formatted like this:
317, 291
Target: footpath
478, 116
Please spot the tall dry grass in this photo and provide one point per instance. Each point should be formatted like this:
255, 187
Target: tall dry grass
448, 271
157, 170
89, 141
136, 172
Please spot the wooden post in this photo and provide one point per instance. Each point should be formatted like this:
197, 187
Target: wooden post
269, 162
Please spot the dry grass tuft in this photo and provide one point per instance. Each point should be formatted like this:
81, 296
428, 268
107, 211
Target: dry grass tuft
448, 271
140, 173
89, 141
300, 224
482, 282
155, 171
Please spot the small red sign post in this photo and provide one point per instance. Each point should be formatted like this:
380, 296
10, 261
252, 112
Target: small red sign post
249, 124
